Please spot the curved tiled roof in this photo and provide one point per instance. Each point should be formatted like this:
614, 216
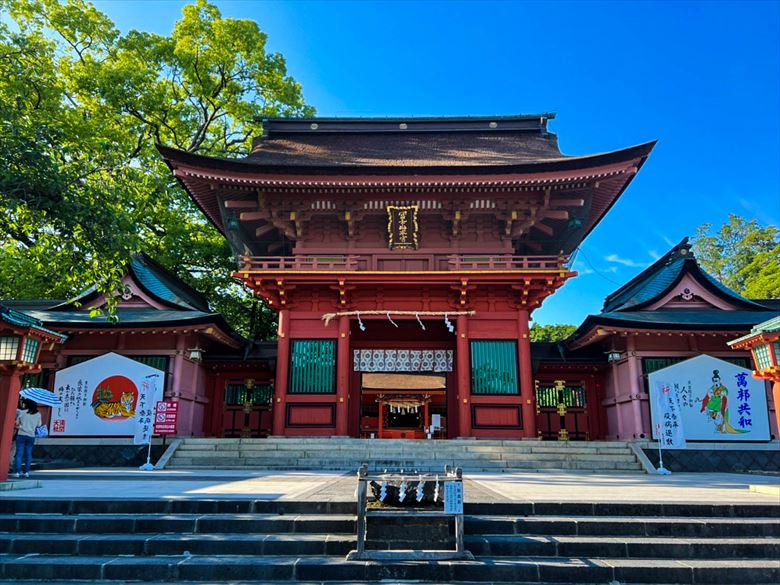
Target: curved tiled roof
654, 282
678, 319
165, 286
27, 321
157, 282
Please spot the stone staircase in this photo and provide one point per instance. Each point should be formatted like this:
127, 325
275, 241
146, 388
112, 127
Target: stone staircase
160, 541
343, 454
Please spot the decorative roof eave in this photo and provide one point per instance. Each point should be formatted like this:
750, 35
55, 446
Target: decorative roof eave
613, 179
86, 297
464, 180
692, 267
22, 323
598, 331
766, 332
178, 158
681, 259
208, 329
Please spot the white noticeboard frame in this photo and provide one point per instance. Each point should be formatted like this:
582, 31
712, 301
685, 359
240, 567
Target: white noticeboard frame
718, 400
107, 396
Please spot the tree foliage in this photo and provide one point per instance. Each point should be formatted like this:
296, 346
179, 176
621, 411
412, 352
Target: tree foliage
551, 332
82, 185
741, 254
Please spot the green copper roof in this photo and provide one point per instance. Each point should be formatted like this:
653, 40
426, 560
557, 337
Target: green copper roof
156, 281
654, 282
770, 326
147, 317
165, 286
678, 319
20, 319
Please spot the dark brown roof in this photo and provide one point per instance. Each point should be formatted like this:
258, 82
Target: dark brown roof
412, 142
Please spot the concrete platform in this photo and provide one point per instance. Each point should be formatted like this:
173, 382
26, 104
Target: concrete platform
710, 488
19, 484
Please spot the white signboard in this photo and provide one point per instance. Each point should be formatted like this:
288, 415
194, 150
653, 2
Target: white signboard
453, 497
436, 421
109, 396
717, 400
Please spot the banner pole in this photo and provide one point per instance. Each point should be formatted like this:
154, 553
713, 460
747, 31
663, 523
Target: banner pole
148, 465
661, 469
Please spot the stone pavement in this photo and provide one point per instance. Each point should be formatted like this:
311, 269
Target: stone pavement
330, 486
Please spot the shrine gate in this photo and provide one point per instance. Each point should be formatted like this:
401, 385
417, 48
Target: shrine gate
405, 258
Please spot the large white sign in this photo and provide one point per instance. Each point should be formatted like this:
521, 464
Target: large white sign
108, 396
717, 401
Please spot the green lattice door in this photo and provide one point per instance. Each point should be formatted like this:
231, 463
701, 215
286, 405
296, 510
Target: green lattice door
561, 411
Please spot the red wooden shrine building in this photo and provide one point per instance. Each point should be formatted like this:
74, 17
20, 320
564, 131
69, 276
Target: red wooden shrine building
405, 257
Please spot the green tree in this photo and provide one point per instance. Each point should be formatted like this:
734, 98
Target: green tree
551, 332
81, 183
741, 254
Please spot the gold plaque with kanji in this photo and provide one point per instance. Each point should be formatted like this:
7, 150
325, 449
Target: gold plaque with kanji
402, 227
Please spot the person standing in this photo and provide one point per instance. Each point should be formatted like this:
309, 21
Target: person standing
19, 410
26, 421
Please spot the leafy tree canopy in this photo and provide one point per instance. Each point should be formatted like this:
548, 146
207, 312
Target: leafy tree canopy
743, 255
81, 108
551, 332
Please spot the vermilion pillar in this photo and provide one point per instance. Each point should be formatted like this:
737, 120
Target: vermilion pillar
464, 393
282, 369
526, 375
9, 398
342, 377
635, 387
776, 400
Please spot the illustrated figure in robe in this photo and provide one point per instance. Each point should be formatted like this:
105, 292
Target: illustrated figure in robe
715, 405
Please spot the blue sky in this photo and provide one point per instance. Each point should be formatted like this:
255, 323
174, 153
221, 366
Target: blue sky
700, 77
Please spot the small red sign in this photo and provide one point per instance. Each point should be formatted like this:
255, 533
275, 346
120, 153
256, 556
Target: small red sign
165, 417
58, 426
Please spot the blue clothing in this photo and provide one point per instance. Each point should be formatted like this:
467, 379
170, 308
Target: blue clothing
24, 447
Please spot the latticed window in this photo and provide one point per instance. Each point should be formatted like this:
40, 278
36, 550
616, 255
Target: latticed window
159, 362
38, 380
30, 351
9, 346
238, 394
763, 361
313, 366
650, 365
573, 396
494, 367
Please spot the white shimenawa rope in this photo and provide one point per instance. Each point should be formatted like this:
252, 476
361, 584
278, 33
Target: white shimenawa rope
328, 317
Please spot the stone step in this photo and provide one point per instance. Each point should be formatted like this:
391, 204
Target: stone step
176, 544
178, 523
497, 545
24, 507
625, 526
340, 544
289, 455
329, 568
283, 463
638, 526
437, 446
